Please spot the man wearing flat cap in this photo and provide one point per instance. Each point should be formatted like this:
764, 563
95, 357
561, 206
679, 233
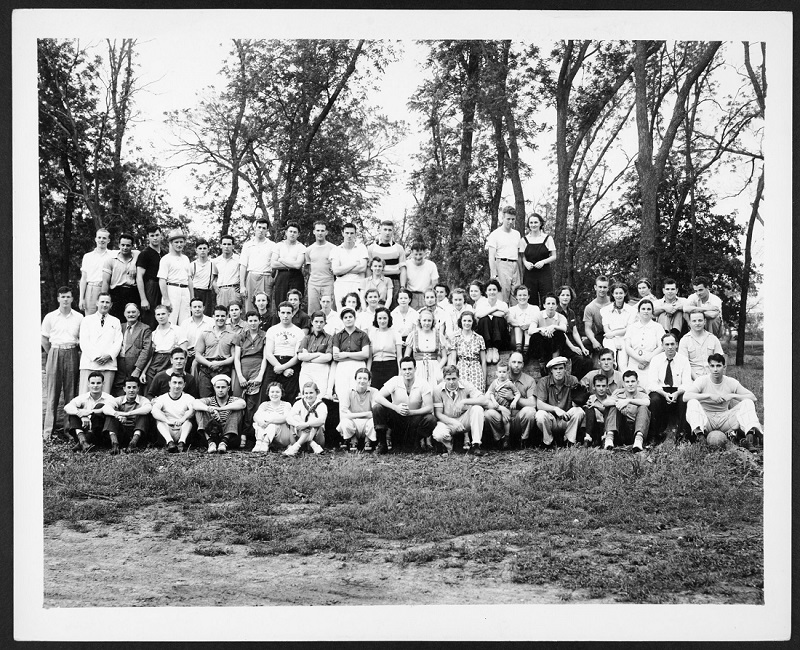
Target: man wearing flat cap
174, 278
556, 412
219, 418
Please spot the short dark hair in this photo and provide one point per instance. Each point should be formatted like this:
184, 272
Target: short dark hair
492, 282
224, 237
601, 278
200, 242
599, 377
405, 291
418, 245
349, 224
630, 373
363, 370
196, 299
644, 301
347, 310
64, 289
286, 304
317, 314
358, 299
669, 281
549, 294
408, 360
444, 286
372, 290
466, 312
95, 374
272, 384
510, 209
604, 351
220, 308
262, 220
252, 312
387, 222
181, 377
382, 310
518, 287
130, 379
291, 224
294, 292
450, 370
175, 351
319, 222
151, 229
669, 334
127, 235
719, 358
701, 279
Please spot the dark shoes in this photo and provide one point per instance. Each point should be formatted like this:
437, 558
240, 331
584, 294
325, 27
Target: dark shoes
476, 450
172, 447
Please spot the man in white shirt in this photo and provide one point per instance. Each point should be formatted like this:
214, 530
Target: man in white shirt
288, 259
669, 309
119, 276
173, 413
91, 284
409, 414
704, 302
60, 341
85, 413
280, 350
175, 278
421, 275
698, 344
393, 256
458, 408
100, 341
255, 264
718, 402
503, 246
204, 276
348, 264
670, 373
318, 261
227, 273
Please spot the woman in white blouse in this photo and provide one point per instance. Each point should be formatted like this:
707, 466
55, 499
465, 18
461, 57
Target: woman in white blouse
384, 362
616, 317
364, 319
165, 338
404, 316
643, 341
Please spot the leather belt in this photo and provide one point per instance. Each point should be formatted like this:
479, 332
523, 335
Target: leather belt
175, 284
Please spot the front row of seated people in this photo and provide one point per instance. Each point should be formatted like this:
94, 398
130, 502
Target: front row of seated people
607, 408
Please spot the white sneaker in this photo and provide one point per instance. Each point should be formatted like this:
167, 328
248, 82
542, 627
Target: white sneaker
609, 441
212, 448
316, 448
223, 448
292, 450
638, 442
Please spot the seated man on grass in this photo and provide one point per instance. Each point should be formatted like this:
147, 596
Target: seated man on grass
409, 414
173, 413
220, 417
596, 408
126, 417
718, 402
523, 416
458, 407
555, 411
85, 414
628, 421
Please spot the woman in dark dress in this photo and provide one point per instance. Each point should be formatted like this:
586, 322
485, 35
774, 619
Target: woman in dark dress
574, 348
537, 252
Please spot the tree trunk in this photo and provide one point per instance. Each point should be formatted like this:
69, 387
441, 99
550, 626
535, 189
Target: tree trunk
69, 209
468, 103
513, 145
740, 331
500, 173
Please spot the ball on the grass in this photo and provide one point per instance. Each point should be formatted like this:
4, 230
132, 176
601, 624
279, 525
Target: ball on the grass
716, 439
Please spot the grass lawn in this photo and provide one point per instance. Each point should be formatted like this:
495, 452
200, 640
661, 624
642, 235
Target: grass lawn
670, 525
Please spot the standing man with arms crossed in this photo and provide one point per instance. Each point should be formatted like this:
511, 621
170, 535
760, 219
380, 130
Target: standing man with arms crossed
348, 264
147, 264
91, 284
393, 256
228, 273
704, 302
504, 258
318, 261
60, 340
119, 276
175, 279
288, 258
255, 265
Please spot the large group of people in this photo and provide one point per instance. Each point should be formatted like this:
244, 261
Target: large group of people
291, 348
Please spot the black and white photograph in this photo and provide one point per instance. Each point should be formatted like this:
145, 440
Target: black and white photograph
402, 325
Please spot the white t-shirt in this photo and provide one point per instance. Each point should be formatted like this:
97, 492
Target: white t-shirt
348, 256
175, 268
257, 256
174, 408
289, 254
228, 270
506, 244
93, 262
705, 385
203, 273
286, 339
522, 317
421, 277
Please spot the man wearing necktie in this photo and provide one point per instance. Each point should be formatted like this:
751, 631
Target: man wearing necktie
670, 372
100, 343
137, 346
